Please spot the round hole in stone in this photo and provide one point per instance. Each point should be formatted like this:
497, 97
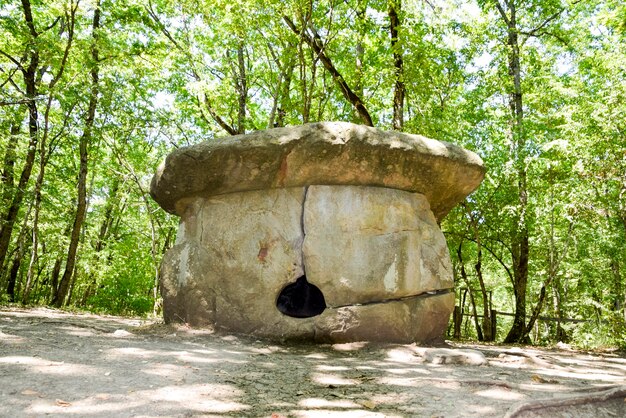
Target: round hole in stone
301, 299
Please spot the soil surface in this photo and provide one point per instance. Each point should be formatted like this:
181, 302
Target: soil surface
59, 364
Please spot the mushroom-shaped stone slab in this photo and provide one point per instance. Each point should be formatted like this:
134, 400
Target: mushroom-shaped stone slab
326, 231
329, 153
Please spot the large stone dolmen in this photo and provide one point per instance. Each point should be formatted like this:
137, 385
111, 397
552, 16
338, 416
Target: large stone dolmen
326, 232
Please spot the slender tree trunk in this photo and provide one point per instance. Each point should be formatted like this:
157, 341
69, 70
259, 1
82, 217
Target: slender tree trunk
30, 81
37, 207
488, 332
281, 91
360, 22
13, 272
56, 272
18, 256
520, 247
285, 96
242, 89
105, 228
43, 157
479, 331
7, 176
398, 94
81, 204
7, 179
554, 263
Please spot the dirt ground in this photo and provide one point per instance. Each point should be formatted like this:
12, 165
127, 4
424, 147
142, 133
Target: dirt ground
59, 364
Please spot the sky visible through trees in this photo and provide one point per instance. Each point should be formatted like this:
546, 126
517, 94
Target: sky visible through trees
94, 93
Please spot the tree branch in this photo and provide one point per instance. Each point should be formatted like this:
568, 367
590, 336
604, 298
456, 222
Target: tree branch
71, 16
28, 16
9, 78
503, 13
217, 118
538, 31
221, 122
13, 60
17, 102
316, 45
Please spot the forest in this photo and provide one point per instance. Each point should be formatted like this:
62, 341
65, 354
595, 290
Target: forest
94, 94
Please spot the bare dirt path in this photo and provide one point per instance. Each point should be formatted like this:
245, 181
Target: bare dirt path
59, 364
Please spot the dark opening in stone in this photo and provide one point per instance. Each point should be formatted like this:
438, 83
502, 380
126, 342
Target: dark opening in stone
301, 299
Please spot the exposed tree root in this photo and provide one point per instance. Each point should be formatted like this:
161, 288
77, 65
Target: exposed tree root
539, 404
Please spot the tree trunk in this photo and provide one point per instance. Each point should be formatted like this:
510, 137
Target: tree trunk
519, 236
517, 333
43, 156
18, 256
398, 95
281, 92
479, 331
29, 74
242, 89
360, 22
488, 332
7, 176
285, 96
105, 228
81, 204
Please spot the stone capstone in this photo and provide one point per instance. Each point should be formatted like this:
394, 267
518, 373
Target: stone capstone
261, 216
325, 153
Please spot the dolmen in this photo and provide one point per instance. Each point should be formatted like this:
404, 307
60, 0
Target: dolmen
326, 232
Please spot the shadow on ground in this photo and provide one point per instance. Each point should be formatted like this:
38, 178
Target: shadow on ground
58, 364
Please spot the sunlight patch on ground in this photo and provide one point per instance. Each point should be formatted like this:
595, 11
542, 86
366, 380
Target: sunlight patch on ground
327, 368
341, 414
332, 379
324, 403
316, 356
166, 370
8, 338
350, 346
183, 356
398, 381
39, 365
201, 398
83, 407
136, 352
399, 355
79, 332
408, 371
268, 350
479, 410
500, 393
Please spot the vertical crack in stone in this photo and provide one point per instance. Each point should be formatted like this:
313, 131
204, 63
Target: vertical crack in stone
200, 217
302, 227
301, 299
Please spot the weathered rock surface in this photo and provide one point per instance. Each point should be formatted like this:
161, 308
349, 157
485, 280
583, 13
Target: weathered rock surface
327, 153
234, 253
341, 207
372, 244
361, 246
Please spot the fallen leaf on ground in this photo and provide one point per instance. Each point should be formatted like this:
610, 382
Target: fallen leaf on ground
369, 404
540, 379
